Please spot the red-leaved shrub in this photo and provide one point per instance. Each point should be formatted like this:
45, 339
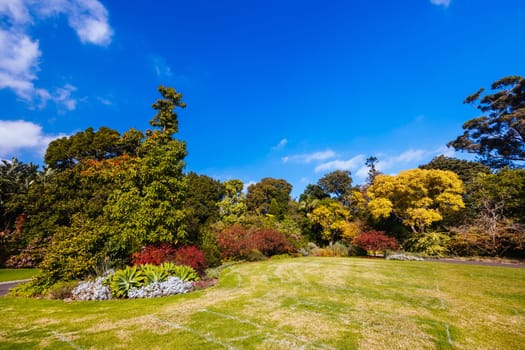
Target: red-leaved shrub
375, 241
191, 256
268, 241
237, 242
232, 241
155, 255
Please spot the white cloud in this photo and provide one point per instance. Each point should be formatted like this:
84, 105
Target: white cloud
20, 54
309, 157
248, 184
19, 60
161, 67
105, 101
20, 135
444, 3
16, 10
410, 156
280, 145
63, 99
88, 18
349, 164
362, 173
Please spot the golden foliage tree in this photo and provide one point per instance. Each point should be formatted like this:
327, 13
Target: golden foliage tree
417, 197
334, 219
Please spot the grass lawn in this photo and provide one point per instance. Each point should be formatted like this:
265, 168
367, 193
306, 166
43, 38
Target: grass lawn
305, 303
16, 274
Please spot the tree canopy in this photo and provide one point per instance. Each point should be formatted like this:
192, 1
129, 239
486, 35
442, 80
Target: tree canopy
417, 197
88, 144
498, 136
269, 196
465, 169
337, 183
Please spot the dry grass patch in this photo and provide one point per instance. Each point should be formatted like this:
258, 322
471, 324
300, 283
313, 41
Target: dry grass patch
306, 303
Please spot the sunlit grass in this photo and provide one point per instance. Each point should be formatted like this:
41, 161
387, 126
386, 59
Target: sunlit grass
16, 274
309, 303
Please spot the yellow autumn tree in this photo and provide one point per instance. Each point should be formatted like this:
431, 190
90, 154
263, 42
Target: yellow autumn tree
418, 197
334, 218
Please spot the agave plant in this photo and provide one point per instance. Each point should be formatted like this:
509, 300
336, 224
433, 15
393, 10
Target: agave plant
169, 267
153, 273
184, 272
123, 280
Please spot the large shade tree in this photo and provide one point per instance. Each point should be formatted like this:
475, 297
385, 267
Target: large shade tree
498, 136
65, 152
269, 196
417, 197
148, 206
337, 183
334, 218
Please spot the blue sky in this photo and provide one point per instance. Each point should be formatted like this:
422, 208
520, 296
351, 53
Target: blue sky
284, 89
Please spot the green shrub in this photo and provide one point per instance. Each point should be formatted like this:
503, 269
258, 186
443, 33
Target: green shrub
432, 244
28, 290
61, 290
72, 252
280, 256
208, 245
254, 255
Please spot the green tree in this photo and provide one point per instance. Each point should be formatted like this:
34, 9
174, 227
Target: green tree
465, 169
498, 228
372, 171
313, 192
130, 142
260, 195
504, 189
498, 136
417, 197
337, 183
468, 172
203, 195
166, 118
65, 152
232, 206
148, 205
16, 178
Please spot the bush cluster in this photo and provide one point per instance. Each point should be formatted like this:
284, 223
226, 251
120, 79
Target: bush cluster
237, 242
156, 255
141, 281
375, 242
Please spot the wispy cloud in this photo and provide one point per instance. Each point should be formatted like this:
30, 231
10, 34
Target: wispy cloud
445, 3
20, 135
104, 101
348, 164
280, 145
88, 18
392, 164
160, 67
62, 97
20, 53
310, 157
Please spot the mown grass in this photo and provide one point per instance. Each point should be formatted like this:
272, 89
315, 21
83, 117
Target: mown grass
16, 274
306, 303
